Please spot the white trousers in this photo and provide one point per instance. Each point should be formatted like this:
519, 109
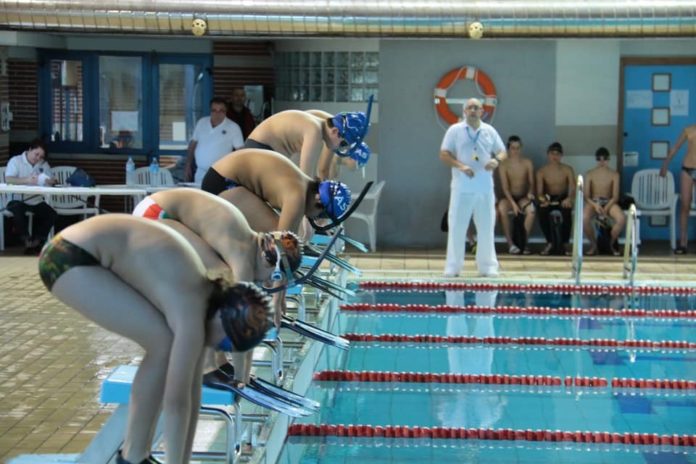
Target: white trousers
461, 208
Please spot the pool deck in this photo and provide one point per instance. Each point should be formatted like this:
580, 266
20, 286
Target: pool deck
52, 360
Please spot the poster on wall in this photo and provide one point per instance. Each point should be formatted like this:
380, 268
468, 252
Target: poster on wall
636, 99
679, 102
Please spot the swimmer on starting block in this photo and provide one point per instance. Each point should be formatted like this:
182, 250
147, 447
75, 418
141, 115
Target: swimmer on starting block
257, 181
309, 137
142, 280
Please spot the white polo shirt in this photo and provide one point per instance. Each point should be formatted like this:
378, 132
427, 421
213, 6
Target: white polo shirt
212, 143
475, 148
19, 166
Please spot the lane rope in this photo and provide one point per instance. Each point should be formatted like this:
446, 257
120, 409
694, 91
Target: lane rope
536, 341
398, 431
522, 310
528, 288
503, 379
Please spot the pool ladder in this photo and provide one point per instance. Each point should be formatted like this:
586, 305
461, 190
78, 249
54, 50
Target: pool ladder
630, 255
630, 259
578, 231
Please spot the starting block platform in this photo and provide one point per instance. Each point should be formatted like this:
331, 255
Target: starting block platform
116, 389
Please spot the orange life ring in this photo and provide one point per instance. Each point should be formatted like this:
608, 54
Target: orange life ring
485, 87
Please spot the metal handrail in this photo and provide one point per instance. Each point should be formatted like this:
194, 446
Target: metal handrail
630, 260
578, 230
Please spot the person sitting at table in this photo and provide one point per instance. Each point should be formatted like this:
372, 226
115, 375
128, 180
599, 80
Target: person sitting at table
143, 281
256, 181
31, 168
252, 256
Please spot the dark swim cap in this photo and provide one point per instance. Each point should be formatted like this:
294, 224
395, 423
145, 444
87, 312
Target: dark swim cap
245, 311
289, 245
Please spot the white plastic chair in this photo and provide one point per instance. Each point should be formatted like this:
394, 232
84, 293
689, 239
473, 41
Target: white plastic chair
70, 205
675, 215
368, 213
4, 199
654, 195
142, 177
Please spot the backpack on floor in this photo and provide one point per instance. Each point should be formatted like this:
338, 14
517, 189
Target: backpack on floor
557, 245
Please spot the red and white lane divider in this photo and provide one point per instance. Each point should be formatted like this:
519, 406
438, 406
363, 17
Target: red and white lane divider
535, 341
503, 379
520, 310
528, 288
397, 431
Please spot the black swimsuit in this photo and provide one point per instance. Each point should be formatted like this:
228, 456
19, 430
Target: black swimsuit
251, 143
214, 183
690, 171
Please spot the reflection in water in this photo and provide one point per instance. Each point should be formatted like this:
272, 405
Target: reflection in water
467, 409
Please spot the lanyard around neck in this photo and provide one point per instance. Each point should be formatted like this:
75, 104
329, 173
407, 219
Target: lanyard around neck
474, 139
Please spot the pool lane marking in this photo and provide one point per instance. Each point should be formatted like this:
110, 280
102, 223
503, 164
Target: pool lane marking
597, 289
397, 431
521, 310
533, 341
503, 379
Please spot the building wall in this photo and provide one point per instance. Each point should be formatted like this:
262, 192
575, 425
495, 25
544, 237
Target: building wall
565, 90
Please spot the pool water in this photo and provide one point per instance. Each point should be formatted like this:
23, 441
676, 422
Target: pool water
498, 407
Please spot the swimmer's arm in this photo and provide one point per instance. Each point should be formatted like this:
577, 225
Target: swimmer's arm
540, 185
530, 179
195, 399
571, 183
505, 184
184, 368
614, 191
324, 166
312, 144
677, 145
292, 213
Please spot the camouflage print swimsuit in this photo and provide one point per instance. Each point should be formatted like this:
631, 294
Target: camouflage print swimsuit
60, 255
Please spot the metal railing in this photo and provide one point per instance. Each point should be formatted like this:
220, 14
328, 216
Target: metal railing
577, 230
630, 260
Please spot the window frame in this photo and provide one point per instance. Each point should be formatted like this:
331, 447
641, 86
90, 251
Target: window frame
90, 102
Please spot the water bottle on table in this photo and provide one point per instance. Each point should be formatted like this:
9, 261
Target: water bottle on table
154, 172
130, 171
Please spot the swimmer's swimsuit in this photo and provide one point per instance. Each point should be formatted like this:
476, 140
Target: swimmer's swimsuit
690, 171
214, 183
251, 143
149, 209
59, 256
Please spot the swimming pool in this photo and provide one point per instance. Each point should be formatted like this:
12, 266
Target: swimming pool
506, 376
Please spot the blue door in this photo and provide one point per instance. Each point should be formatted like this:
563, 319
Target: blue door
659, 101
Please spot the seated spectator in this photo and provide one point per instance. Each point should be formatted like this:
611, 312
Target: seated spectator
555, 185
517, 184
601, 203
31, 168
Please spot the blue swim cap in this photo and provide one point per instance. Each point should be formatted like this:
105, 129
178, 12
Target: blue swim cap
335, 196
361, 154
352, 127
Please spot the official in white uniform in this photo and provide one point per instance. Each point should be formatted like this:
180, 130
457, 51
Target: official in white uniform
472, 149
214, 137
